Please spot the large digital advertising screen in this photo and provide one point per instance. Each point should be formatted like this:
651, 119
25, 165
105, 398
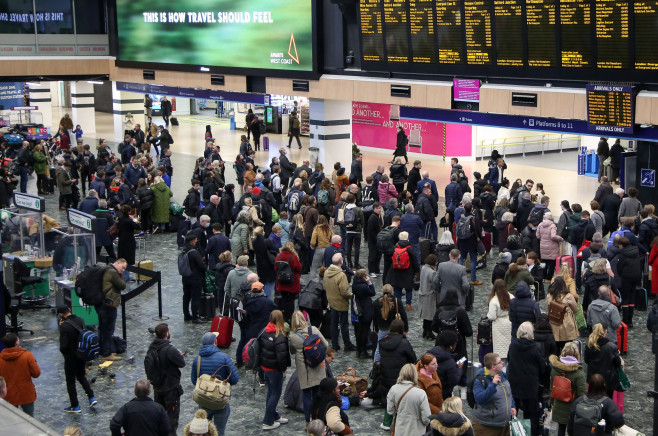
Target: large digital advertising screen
224, 34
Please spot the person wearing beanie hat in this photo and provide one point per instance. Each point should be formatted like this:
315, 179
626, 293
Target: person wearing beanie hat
257, 287
200, 425
404, 268
212, 361
504, 259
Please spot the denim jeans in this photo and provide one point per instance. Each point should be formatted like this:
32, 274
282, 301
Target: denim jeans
474, 261
415, 248
353, 240
340, 319
107, 319
274, 381
408, 294
22, 170
380, 336
27, 408
269, 289
219, 417
307, 397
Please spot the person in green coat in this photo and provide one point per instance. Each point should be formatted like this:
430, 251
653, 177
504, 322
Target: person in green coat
160, 209
240, 235
518, 272
40, 167
568, 366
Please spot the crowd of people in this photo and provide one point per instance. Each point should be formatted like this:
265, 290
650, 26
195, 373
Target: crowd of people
284, 257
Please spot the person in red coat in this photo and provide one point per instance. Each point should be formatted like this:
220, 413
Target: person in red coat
653, 261
288, 289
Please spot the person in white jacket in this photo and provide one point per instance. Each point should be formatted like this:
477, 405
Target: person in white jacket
408, 403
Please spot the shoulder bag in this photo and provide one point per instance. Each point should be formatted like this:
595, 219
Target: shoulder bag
211, 392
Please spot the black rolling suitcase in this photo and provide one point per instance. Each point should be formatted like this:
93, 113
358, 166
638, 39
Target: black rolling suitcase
427, 247
173, 121
207, 306
470, 298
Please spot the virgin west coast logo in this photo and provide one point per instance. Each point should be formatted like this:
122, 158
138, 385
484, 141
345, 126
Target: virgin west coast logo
279, 58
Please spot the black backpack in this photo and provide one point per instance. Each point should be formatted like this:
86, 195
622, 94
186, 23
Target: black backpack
89, 285
386, 239
284, 274
154, 372
484, 334
448, 320
470, 396
536, 215
589, 411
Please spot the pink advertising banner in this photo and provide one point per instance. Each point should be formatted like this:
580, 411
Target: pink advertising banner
375, 125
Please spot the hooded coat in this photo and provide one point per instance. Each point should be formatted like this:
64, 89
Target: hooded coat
526, 365
604, 361
549, 240
171, 360
432, 387
465, 330
395, 351
308, 377
523, 308
448, 371
576, 375
505, 228
235, 279
605, 313
18, 366
160, 209
404, 278
450, 424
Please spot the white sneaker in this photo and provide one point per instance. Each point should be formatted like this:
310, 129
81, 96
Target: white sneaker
383, 427
271, 427
282, 420
372, 275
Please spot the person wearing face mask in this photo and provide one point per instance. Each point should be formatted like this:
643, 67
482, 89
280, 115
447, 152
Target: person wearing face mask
200, 229
494, 405
133, 173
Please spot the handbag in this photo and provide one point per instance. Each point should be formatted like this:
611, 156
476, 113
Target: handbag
211, 392
355, 306
625, 430
113, 230
623, 384
556, 312
579, 316
351, 383
520, 427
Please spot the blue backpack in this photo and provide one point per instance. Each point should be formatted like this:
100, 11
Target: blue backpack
88, 346
315, 352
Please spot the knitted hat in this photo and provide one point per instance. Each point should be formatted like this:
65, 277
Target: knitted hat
199, 424
208, 338
505, 257
257, 287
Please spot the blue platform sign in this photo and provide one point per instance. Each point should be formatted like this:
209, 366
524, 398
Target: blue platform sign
648, 178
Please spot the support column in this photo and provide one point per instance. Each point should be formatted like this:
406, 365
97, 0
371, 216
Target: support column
123, 103
39, 95
83, 108
331, 131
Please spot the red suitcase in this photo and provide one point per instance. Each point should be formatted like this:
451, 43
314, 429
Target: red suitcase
486, 240
564, 259
622, 338
224, 326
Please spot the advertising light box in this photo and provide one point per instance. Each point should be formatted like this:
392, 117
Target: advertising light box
225, 34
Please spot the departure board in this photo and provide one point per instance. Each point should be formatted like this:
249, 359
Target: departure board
610, 108
450, 32
542, 33
612, 34
421, 24
601, 40
372, 36
479, 35
645, 14
508, 16
397, 33
575, 27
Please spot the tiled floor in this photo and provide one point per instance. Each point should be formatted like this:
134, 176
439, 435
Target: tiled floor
247, 404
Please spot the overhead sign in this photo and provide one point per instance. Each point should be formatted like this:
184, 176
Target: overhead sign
11, 93
205, 94
648, 178
33, 203
81, 220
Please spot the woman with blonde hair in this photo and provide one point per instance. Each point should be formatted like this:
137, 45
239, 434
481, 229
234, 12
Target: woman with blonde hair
602, 357
567, 330
408, 403
274, 360
451, 421
567, 366
72, 430
428, 380
386, 309
288, 268
320, 239
398, 174
566, 274
309, 378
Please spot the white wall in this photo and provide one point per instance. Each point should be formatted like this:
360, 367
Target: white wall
182, 106
500, 134
592, 142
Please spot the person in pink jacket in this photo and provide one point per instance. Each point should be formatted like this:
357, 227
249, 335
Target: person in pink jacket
386, 190
549, 243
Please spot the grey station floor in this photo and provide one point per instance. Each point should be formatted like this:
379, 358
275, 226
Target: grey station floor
247, 403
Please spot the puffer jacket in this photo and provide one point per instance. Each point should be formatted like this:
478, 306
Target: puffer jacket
395, 351
385, 192
505, 228
630, 264
592, 282
398, 174
549, 240
575, 373
239, 239
213, 359
613, 417
234, 280
404, 278
493, 404
526, 365
221, 274
450, 424
443, 252
523, 308
146, 198
605, 313
274, 351
453, 193
18, 366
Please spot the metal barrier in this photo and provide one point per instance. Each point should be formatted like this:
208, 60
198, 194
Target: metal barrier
544, 142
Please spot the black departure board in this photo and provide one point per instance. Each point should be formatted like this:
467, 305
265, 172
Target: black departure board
645, 14
372, 36
397, 31
612, 34
610, 108
508, 16
603, 40
541, 16
479, 32
450, 31
575, 26
421, 24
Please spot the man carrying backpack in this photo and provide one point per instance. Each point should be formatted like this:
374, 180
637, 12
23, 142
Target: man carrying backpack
386, 240
468, 231
405, 266
192, 269
494, 406
162, 366
113, 284
354, 222
70, 327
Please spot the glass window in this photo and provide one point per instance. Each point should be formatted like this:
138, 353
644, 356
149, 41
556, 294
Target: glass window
54, 17
90, 17
16, 16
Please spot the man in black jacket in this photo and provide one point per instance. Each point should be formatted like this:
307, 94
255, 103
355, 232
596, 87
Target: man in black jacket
610, 209
193, 284
428, 210
356, 171
373, 226
414, 178
141, 416
286, 167
169, 391
165, 108
603, 152
70, 327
